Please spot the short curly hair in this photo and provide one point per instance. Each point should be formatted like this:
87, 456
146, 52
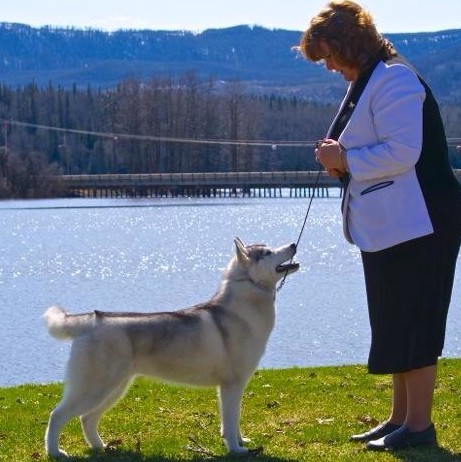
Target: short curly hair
351, 34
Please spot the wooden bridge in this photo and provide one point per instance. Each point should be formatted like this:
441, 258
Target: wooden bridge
218, 184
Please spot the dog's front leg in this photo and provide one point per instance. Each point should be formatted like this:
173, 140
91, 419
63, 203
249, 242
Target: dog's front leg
230, 400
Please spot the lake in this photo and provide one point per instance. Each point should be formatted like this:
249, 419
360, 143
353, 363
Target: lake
165, 254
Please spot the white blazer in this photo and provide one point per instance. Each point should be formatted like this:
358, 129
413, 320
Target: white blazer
384, 204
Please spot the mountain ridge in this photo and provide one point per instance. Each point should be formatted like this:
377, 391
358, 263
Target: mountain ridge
262, 59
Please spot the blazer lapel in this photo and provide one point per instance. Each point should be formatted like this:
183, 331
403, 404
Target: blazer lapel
340, 111
348, 105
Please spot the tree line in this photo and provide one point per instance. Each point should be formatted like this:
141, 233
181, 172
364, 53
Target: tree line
166, 125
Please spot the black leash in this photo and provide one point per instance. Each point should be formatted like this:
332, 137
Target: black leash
316, 184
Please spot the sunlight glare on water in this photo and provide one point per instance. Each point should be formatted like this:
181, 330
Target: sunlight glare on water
157, 255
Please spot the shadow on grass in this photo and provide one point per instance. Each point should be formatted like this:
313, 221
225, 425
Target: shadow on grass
425, 454
195, 453
131, 456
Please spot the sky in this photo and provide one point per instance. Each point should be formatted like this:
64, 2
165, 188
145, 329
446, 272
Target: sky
391, 16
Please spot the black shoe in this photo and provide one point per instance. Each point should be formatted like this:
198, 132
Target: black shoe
403, 438
381, 430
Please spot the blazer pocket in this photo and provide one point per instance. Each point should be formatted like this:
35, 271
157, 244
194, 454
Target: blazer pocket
377, 186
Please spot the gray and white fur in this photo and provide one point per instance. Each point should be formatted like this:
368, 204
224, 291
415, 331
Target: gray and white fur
216, 343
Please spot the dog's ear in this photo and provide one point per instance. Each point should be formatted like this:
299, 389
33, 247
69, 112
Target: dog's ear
239, 241
242, 252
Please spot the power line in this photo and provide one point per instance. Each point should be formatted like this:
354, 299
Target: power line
166, 139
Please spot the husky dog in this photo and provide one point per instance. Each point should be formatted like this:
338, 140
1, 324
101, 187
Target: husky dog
216, 343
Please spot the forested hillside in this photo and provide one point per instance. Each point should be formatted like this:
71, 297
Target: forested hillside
261, 58
68, 107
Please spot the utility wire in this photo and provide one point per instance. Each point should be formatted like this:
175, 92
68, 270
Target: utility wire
127, 136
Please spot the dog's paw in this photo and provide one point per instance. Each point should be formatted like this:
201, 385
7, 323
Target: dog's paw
59, 454
111, 446
242, 451
243, 440
255, 451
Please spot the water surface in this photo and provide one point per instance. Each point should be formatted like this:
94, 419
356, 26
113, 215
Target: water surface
166, 254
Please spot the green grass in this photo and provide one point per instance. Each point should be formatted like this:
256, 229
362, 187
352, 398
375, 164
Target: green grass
294, 414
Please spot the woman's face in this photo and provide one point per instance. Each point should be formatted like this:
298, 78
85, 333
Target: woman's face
349, 73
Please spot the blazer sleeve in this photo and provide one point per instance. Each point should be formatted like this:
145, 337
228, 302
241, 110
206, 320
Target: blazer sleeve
396, 108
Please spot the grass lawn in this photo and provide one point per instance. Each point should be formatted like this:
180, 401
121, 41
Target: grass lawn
299, 414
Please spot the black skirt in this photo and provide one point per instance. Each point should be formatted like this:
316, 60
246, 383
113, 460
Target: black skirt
409, 288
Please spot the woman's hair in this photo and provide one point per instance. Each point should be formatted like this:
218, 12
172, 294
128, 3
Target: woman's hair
350, 33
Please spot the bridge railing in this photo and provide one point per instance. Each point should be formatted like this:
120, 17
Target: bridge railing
193, 184
203, 179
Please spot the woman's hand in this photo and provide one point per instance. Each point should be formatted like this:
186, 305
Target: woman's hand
331, 155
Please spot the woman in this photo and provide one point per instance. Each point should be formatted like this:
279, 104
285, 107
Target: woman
401, 207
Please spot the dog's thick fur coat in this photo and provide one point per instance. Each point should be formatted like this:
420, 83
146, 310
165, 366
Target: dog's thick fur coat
216, 343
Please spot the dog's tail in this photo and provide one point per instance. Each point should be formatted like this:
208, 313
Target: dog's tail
64, 326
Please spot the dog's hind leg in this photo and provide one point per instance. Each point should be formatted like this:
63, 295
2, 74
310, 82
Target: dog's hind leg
73, 404
90, 420
92, 380
88, 401
230, 399
58, 418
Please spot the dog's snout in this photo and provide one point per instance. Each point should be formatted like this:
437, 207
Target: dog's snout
293, 246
